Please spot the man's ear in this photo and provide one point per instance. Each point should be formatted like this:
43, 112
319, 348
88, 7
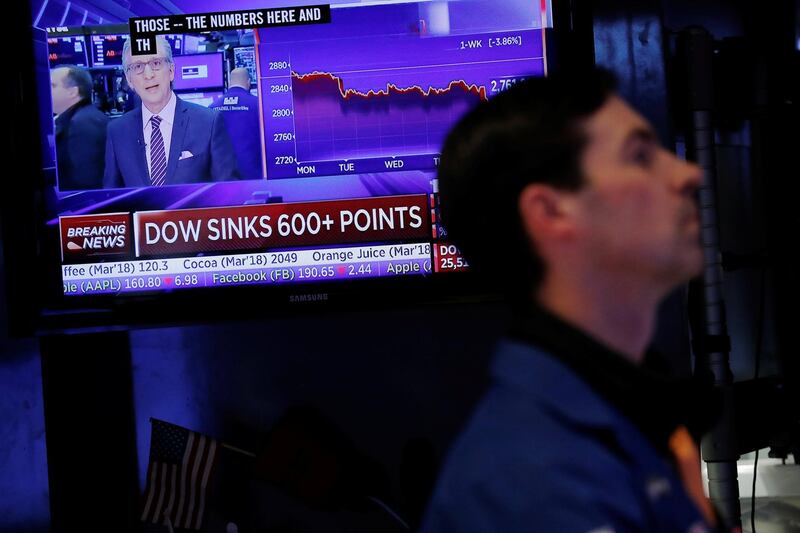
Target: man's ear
545, 213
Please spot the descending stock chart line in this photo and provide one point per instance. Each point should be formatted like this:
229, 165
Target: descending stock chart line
372, 109
333, 122
346, 94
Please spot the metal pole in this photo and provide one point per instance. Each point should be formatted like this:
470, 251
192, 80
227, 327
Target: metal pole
710, 336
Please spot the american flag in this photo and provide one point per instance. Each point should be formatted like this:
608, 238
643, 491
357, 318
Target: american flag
181, 464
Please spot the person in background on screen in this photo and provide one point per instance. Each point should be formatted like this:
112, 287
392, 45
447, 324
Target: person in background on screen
240, 109
164, 141
588, 225
80, 129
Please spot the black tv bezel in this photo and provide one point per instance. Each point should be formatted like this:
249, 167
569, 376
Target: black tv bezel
86, 52
35, 298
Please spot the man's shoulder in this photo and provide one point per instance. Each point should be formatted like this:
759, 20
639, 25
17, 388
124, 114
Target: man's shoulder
502, 482
193, 109
511, 421
248, 97
533, 370
535, 402
90, 112
203, 121
127, 121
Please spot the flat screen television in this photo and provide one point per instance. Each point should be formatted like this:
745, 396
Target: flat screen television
349, 119
69, 50
245, 57
107, 48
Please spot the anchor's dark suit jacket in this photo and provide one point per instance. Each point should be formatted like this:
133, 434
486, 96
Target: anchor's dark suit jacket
196, 130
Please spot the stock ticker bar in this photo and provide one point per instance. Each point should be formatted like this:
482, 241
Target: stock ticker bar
245, 269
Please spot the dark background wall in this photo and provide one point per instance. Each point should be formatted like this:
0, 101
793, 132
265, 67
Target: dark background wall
24, 504
385, 380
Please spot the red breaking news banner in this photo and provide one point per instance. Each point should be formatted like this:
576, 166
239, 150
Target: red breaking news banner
220, 230
87, 236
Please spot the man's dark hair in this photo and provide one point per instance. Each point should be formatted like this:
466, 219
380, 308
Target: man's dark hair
80, 78
531, 133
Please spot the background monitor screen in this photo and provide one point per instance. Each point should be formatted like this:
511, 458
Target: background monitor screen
177, 44
107, 49
245, 57
69, 50
198, 71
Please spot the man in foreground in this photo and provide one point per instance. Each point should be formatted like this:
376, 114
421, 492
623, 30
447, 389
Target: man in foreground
561, 190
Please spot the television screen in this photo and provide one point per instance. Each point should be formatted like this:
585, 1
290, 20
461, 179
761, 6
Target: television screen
176, 42
326, 177
245, 57
70, 50
107, 50
198, 71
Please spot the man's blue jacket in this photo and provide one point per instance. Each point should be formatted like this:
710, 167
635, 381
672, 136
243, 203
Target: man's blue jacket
544, 452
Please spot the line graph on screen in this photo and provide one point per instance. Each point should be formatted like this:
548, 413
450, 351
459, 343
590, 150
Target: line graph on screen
333, 121
377, 104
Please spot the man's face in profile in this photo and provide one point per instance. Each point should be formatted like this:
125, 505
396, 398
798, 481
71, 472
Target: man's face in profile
151, 76
637, 210
63, 97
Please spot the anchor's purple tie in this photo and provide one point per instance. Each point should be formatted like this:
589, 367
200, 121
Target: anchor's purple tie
158, 156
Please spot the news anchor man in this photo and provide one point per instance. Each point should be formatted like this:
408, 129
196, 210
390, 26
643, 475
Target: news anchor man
165, 141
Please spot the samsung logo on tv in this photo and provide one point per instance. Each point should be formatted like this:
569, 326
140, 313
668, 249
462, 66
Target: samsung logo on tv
316, 297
